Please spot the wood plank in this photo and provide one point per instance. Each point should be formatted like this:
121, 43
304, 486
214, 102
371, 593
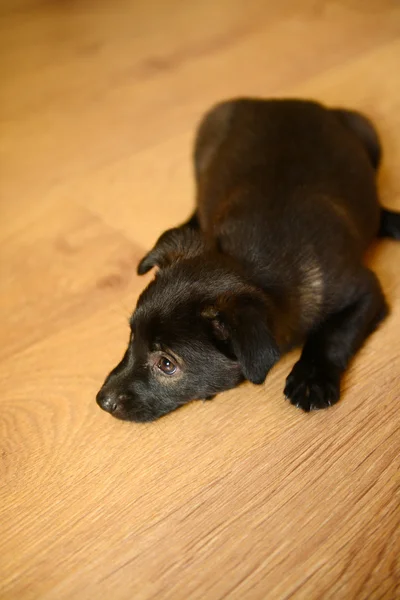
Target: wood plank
242, 497
60, 268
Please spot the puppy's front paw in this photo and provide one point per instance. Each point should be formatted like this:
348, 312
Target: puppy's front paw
312, 386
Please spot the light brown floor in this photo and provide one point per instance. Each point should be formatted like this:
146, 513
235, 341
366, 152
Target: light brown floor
242, 497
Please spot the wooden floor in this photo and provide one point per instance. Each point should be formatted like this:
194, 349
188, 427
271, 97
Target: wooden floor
244, 497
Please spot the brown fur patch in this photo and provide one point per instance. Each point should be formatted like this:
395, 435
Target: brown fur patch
311, 289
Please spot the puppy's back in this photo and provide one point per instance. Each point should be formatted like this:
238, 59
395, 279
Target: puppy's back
268, 163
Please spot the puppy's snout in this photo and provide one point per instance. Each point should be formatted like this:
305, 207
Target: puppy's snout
110, 400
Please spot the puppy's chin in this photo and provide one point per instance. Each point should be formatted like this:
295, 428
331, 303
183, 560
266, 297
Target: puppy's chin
140, 415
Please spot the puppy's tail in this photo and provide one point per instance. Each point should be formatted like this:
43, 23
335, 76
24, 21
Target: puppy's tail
390, 224
364, 131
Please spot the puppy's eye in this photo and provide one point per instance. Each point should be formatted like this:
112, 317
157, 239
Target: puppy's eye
166, 365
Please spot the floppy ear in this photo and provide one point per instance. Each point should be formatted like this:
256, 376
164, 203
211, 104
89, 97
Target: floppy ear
173, 245
242, 321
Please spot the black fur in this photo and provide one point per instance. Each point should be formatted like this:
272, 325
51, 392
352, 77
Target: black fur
272, 258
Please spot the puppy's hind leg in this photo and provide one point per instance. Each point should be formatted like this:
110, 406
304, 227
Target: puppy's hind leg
315, 379
364, 131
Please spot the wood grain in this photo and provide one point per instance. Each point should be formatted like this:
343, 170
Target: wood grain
242, 497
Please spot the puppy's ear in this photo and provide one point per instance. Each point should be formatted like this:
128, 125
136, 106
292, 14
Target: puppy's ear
173, 245
242, 321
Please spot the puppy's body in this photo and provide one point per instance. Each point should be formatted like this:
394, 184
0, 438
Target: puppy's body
286, 207
298, 214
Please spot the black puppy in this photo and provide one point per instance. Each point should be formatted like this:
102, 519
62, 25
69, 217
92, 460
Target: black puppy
272, 258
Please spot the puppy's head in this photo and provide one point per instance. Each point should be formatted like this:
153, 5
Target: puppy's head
198, 329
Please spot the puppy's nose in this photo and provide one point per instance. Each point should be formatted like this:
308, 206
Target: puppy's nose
108, 400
